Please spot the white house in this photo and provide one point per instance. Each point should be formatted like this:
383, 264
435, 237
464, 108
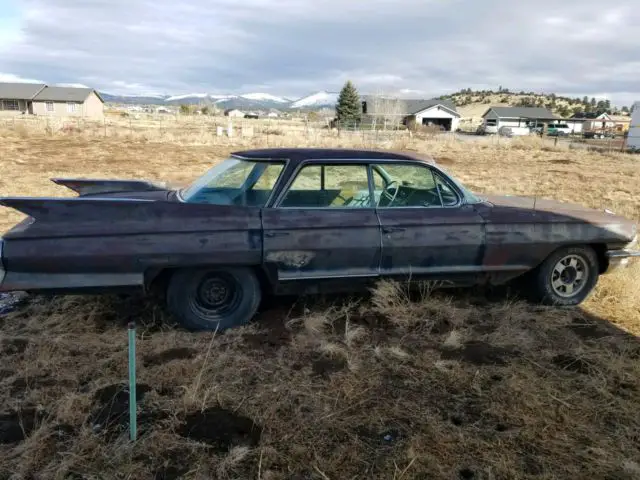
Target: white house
234, 112
496, 117
434, 112
593, 121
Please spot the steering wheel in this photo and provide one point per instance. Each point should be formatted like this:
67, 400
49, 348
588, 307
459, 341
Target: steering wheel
388, 195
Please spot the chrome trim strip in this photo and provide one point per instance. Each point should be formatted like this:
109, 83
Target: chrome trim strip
623, 253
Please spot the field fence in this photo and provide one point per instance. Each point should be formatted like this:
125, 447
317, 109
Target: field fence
212, 130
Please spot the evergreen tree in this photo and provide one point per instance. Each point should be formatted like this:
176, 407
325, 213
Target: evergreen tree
625, 109
585, 100
593, 102
349, 108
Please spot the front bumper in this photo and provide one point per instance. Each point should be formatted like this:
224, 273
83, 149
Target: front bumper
621, 258
2, 270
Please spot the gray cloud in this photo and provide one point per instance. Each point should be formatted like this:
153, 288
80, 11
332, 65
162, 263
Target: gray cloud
292, 47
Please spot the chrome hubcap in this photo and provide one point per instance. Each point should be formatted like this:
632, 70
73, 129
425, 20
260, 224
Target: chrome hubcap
569, 276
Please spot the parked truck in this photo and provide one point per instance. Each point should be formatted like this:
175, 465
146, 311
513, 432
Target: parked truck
633, 138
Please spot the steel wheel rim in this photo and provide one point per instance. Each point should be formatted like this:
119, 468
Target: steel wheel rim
216, 295
569, 276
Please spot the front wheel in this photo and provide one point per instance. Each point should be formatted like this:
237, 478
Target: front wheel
213, 299
566, 277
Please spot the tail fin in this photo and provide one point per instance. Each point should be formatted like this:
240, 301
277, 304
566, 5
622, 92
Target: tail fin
88, 186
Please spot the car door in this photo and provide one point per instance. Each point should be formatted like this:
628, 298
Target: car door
323, 225
426, 227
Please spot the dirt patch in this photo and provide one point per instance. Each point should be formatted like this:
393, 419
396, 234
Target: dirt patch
17, 425
180, 353
110, 413
221, 429
325, 366
445, 161
572, 364
14, 346
21, 384
479, 353
274, 334
587, 330
562, 161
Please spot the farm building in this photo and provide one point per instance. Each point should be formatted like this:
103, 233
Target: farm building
434, 112
594, 121
496, 117
234, 112
40, 99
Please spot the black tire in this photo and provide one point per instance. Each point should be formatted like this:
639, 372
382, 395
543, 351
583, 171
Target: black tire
541, 285
213, 298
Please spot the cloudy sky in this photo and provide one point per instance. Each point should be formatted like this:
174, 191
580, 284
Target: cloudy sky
295, 47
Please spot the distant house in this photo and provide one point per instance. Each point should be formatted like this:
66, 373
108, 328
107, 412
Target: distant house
40, 99
234, 112
594, 121
17, 98
496, 117
273, 113
434, 112
69, 102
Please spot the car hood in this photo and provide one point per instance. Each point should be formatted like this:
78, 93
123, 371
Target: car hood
554, 209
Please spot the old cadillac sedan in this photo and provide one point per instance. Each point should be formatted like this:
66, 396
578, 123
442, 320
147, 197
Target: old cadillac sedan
292, 220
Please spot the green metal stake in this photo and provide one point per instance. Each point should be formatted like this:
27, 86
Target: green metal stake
132, 383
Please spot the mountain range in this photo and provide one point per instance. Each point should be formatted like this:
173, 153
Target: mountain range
244, 101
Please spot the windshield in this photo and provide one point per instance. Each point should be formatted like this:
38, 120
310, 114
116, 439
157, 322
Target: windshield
235, 182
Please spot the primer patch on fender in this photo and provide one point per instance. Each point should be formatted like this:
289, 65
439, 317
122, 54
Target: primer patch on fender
293, 258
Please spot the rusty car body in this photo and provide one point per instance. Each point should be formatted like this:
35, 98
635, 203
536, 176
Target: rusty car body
294, 220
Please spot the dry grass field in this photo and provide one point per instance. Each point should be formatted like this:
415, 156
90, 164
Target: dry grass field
472, 385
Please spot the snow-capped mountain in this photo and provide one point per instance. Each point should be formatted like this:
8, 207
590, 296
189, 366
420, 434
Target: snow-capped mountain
315, 100
265, 97
251, 101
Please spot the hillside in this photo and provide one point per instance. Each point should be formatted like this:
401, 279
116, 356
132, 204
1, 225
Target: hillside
472, 104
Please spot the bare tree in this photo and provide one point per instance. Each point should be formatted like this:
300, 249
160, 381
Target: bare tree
385, 111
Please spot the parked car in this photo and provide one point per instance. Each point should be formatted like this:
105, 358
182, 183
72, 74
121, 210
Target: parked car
559, 130
297, 220
599, 134
514, 131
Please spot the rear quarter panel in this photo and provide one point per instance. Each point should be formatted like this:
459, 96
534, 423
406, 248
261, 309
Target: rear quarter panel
102, 236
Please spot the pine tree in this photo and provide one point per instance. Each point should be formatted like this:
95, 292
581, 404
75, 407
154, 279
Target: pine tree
585, 100
349, 108
593, 102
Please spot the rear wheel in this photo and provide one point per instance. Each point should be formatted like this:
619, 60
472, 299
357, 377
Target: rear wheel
566, 277
213, 299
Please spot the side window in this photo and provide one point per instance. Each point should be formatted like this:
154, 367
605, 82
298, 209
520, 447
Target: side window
408, 186
447, 194
329, 186
269, 177
412, 186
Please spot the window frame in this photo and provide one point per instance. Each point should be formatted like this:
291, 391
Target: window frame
6, 102
322, 164
370, 164
46, 107
435, 174
73, 107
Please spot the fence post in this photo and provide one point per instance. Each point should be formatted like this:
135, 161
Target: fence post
104, 120
555, 141
133, 427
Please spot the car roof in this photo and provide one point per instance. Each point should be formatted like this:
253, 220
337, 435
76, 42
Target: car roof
302, 154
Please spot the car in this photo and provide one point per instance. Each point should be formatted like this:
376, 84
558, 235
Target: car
514, 131
290, 221
558, 130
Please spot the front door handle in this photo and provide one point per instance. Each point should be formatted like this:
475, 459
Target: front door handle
275, 234
392, 229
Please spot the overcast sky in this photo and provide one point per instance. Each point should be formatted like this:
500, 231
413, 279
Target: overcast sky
295, 47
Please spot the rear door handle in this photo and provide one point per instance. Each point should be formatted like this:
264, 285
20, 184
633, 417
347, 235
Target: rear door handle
275, 234
392, 229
